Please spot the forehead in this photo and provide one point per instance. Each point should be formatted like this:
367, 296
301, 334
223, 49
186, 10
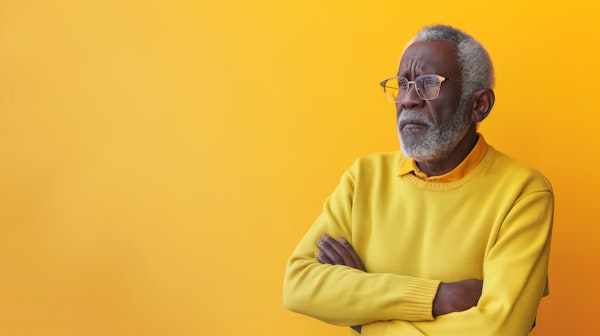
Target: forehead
437, 57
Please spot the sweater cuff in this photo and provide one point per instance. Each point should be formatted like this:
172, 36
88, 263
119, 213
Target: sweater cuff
419, 296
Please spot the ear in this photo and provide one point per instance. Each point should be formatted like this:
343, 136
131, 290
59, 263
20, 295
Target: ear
483, 101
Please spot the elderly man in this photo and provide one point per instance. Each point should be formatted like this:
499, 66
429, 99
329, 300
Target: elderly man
448, 236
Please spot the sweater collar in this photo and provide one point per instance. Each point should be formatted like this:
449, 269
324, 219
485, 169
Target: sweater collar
470, 162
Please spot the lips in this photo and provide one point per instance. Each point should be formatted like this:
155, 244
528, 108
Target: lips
412, 120
411, 125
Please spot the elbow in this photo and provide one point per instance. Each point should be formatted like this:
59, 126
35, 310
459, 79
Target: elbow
291, 300
294, 295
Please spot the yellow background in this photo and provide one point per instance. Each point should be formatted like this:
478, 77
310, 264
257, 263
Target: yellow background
159, 160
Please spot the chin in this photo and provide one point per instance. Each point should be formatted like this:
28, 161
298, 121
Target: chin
425, 151
421, 157
432, 146
418, 150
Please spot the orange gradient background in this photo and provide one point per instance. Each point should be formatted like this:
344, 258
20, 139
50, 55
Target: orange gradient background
161, 159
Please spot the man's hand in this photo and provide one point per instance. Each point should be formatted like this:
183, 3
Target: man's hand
451, 297
338, 253
457, 296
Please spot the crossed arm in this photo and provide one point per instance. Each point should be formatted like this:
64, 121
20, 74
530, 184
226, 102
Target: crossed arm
451, 296
514, 273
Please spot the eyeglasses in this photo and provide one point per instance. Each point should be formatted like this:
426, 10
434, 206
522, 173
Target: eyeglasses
427, 86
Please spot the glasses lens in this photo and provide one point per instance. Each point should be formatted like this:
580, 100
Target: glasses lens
390, 87
428, 86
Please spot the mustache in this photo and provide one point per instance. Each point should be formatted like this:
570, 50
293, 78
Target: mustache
412, 116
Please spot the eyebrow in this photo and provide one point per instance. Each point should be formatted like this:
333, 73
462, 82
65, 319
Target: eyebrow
406, 75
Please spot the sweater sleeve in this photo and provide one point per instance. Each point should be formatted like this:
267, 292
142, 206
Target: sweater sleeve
515, 279
342, 295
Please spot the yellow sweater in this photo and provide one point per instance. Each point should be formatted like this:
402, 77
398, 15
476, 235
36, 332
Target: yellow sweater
493, 224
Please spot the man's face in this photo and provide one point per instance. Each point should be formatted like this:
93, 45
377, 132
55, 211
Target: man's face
430, 130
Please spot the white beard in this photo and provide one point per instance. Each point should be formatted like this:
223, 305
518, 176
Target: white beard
439, 140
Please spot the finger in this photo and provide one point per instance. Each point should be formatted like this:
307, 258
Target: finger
357, 261
341, 251
330, 252
323, 259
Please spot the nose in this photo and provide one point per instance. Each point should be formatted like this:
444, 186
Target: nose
410, 100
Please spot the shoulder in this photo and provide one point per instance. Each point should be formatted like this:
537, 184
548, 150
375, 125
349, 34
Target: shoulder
368, 169
509, 170
379, 162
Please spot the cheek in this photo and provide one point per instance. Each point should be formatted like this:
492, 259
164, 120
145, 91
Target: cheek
439, 113
443, 108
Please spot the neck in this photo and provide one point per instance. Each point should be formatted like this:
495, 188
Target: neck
454, 158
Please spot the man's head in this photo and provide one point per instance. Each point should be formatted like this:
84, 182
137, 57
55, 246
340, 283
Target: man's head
431, 129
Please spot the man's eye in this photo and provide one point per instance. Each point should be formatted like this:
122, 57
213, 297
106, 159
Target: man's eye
430, 82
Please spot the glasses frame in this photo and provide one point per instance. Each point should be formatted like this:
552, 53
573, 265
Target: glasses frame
442, 79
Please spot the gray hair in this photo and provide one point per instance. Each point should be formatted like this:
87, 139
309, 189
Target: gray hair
475, 64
